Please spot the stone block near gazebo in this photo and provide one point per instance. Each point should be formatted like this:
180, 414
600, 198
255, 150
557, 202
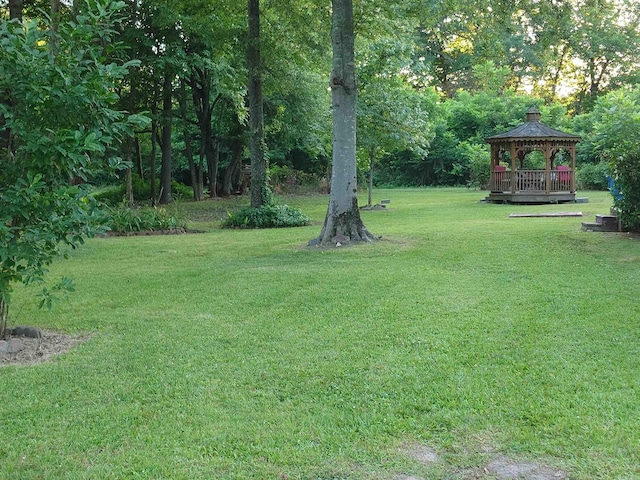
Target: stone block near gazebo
510, 182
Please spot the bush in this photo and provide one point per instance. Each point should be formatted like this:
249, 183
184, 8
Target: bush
112, 195
141, 191
283, 179
592, 176
267, 216
129, 220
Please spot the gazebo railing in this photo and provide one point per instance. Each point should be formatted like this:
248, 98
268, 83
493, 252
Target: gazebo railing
531, 180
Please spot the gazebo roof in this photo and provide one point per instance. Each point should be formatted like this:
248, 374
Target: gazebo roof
533, 129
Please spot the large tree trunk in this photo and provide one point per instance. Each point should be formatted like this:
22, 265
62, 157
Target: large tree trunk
259, 191
154, 145
343, 223
167, 120
200, 83
15, 9
188, 150
213, 156
233, 171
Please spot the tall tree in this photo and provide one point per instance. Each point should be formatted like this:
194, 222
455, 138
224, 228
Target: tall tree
259, 188
167, 123
343, 222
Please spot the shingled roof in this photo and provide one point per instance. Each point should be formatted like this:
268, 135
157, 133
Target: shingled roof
533, 129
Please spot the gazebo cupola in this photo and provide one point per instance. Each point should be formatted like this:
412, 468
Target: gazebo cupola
512, 182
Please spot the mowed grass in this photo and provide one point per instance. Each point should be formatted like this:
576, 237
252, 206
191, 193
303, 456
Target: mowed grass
244, 354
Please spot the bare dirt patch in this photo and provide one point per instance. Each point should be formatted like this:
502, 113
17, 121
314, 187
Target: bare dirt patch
496, 468
36, 350
423, 454
505, 468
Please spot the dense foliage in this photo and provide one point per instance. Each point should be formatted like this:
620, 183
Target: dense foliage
434, 79
616, 139
266, 216
124, 219
58, 124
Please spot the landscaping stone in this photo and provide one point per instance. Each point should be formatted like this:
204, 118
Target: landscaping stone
15, 345
27, 350
11, 346
22, 331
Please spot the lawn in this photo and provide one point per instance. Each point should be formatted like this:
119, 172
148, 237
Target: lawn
244, 354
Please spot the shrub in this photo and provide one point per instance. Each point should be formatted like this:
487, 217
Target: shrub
112, 195
128, 220
477, 160
592, 176
267, 216
283, 179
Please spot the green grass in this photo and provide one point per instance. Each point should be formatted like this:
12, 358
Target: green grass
246, 355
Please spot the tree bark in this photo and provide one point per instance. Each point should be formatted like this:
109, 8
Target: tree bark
343, 223
233, 170
138, 152
129, 187
4, 316
259, 192
370, 193
154, 145
55, 26
15, 9
167, 119
188, 150
213, 157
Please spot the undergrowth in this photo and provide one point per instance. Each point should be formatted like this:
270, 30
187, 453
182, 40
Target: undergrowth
267, 216
122, 218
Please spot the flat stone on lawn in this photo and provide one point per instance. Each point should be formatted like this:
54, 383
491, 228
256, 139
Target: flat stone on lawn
14, 345
507, 469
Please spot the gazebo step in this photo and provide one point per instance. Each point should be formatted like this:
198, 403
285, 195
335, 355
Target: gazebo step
597, 227
610, 221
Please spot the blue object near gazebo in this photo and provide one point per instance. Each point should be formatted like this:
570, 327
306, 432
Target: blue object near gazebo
613, 189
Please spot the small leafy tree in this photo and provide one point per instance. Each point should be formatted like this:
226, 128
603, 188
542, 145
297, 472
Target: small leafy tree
57, 124
616, 139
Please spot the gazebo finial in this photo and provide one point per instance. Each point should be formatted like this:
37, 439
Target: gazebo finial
533, 115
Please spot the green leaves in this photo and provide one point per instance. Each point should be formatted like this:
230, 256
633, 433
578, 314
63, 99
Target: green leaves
49, 296
617, 121
267, 216
59, 122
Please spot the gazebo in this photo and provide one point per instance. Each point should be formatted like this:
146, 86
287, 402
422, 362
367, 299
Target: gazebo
514, 182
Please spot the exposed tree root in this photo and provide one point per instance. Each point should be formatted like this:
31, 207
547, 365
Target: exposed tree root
343, 229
